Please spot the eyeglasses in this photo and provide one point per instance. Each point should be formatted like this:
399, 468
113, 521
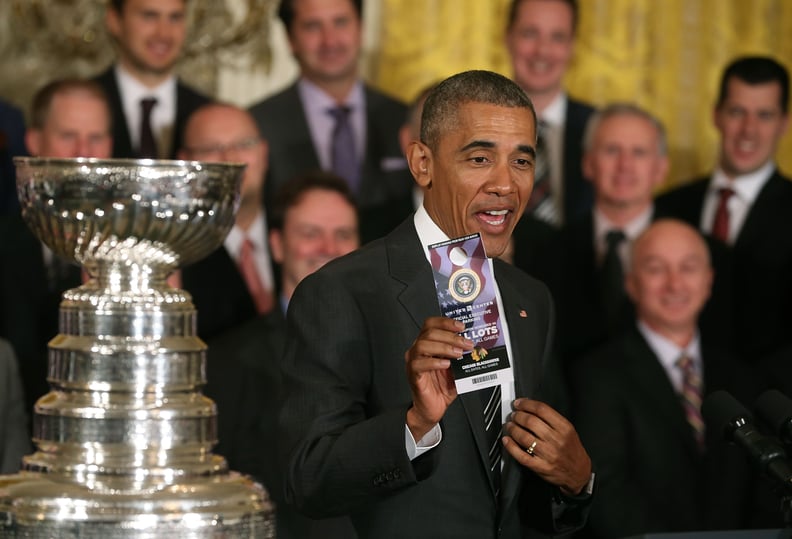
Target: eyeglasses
245, 144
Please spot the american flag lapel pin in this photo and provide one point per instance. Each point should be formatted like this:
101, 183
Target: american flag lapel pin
523, 314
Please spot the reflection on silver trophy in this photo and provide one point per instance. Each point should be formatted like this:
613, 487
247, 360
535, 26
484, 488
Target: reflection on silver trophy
124, 438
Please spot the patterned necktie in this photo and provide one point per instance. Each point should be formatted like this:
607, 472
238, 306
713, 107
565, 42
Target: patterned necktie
344, 159
541, 203
691, 398
262, 297
720, 226
612, 280
493, 425
148, 145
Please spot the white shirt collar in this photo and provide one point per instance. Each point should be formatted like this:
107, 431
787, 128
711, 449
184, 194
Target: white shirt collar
747, 186
257, 234
633, 229
668, 353
555, 113
428, 231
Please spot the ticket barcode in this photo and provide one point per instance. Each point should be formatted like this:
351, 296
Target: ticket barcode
482, 379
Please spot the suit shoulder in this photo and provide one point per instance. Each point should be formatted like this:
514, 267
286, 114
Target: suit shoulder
381, 100
275, 102
192, 94
578, 107
687, 190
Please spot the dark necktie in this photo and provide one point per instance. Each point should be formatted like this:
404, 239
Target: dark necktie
491, 406
148, 145
691, 398
342, 148
720, 226
262, 297
541, 203
612, 279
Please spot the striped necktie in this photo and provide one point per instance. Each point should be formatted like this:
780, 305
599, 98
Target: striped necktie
493, 425
691, 398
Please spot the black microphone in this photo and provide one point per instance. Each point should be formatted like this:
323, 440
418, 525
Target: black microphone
720, 408
775, 409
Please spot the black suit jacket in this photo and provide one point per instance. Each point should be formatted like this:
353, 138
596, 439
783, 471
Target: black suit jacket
651, 477
578, 191
187, 100
384, 198
12, 144
343, 420
14, 435
30, 296
760, 263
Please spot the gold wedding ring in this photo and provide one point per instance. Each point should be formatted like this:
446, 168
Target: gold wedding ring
531, 449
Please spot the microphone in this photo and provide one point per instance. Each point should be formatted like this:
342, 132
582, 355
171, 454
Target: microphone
720, 408
775, 409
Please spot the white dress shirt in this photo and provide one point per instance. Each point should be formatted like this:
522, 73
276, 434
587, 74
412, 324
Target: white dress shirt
163, 115
746, 189
554, 118
668, 353
316, 103
429, 234
258, 235
633, 229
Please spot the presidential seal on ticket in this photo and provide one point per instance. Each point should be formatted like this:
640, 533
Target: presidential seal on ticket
466, 291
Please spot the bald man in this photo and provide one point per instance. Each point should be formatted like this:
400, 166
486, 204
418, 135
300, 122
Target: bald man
636, 409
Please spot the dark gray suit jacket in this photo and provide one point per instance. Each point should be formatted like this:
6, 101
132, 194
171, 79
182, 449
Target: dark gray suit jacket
386, 185
346, 394
14, 437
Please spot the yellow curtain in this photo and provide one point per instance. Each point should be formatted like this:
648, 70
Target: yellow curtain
665, 55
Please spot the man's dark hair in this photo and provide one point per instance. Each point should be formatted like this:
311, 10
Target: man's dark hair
756, 70
443, 103
292, 192
42, 100
286, 12
573, 5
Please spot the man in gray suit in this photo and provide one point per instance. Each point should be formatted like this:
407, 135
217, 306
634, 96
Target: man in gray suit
331, 120
406, 456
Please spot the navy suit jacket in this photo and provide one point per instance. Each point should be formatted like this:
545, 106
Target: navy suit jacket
760, 263
12, 144
384, 199
187, 100
343, 419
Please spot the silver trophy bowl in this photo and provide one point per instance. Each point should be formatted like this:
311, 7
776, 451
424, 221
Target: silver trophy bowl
124, 438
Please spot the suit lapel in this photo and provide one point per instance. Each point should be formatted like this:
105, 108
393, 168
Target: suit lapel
652, 382
763, 211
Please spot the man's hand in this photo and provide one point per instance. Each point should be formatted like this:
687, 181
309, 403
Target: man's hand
543, 440
431, 380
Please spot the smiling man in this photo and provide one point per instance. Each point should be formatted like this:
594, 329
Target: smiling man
403, 454
150, 105
745, 202
540, 38
625, 159
638, 402
330, 119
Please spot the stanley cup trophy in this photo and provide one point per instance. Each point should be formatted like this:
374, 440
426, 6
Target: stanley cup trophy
124, 438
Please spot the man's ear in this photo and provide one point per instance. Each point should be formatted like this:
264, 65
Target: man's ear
276, 245
419, 158
33, 142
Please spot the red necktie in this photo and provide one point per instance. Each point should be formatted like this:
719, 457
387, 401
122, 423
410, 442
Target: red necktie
247, 267
720, 227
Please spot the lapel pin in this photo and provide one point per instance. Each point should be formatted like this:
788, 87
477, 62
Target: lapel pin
523, 314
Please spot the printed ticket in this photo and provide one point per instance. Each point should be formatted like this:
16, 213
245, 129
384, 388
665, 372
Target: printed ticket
465, 285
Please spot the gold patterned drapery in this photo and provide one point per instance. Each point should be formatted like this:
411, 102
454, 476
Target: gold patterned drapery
665, 55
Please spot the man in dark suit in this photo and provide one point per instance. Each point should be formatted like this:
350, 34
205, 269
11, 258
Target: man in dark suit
12, 133
540, 37
626, 158
149, 35
14, 437
69, 118
235, 283
745, 203
405, 455
660, 468
362, 146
